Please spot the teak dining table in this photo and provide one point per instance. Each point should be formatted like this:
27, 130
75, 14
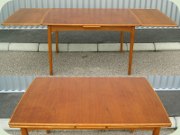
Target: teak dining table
72, 19
90, 103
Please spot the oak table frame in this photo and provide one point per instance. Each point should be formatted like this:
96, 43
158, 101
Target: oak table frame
122, 29
121, 20
66, 103
100, 20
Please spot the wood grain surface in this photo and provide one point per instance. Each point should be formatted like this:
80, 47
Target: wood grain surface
27, 16
99, 17
84, 103
89, 17
152, 17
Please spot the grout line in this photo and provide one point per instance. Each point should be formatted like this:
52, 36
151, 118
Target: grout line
38, 47
9, 46
126, 48
67, 47
97, 47
155, 50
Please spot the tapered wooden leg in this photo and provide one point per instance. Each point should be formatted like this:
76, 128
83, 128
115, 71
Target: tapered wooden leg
132, 130
122, 41
24, 131
156, 131
131, 50
57, 48
50, 50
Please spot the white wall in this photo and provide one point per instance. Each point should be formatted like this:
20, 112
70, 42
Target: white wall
2, 2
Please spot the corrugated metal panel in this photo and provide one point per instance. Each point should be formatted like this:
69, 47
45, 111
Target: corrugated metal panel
21, 83
165, 82
165, 6
15, 83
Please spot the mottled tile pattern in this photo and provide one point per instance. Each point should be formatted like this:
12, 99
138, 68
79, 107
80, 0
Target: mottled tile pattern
82, 47
142, 46
4, 46
93, 132
109, 47
167, 46
23, 46
90, 63
43, 47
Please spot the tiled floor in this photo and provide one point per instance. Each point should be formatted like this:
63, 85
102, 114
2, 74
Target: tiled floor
94, 132
90, 63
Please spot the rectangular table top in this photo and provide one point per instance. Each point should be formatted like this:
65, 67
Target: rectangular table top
82, 17
100, 17
152, 17
29, 16
83, 103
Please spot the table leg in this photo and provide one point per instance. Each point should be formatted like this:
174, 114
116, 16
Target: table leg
48, 131
57, 48
24, 131
132, 33
122, 41
50, 50
132, 130
156, 131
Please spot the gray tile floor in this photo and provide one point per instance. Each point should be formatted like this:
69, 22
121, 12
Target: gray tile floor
90, 63
94, 132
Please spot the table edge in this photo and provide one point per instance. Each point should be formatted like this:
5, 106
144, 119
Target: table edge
87, 126
81, 25
110, 25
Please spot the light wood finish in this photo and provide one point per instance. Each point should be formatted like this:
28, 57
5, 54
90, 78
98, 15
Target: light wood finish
122, 20
25, 17
50, 50
57, 47
55, 28
156, 131
132, 33
90, 103
82, 28
24, 131
90, 17
152, 17
96, 17
122, 41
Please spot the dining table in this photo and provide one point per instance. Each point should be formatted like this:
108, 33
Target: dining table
89, 19
90, 103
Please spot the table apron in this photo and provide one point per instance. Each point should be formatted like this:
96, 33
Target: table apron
55, 28
86, 127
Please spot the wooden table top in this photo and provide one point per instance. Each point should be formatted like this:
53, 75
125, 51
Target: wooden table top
27, 16
152, 17
100, 17
82, 17
85, 103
